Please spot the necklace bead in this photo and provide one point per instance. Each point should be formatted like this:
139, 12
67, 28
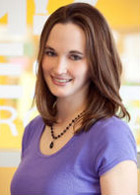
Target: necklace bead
64, 131
51, 144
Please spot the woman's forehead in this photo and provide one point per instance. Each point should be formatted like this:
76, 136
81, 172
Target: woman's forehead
66, 35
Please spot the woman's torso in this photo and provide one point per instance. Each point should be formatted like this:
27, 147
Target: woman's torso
73, 169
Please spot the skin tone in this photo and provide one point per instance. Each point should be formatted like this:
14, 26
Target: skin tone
65, 68
67, 76
66, 73
120, 180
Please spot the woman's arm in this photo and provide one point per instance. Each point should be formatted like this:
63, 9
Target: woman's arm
120, 180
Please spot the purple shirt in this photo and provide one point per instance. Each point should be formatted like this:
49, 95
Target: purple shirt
76, 168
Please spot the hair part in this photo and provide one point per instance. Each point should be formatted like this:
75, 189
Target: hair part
104, 64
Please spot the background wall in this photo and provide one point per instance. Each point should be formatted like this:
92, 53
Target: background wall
20, 25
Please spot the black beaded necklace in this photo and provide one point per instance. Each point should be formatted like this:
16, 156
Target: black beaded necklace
64, 131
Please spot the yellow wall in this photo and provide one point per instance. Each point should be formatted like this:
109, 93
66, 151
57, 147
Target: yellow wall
6, 175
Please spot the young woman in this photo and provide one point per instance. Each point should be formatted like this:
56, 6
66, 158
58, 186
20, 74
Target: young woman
78, 144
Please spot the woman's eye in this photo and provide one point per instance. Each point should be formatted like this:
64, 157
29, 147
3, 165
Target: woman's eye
50, 53
75, 57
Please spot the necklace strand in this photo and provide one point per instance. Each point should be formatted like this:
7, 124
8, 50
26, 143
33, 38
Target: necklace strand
64, 131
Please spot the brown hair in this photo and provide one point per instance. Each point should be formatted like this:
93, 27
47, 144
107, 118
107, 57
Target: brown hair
104, 63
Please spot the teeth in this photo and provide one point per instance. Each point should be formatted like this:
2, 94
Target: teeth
62, 80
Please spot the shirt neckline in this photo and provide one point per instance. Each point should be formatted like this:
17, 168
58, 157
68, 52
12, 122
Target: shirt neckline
67, 145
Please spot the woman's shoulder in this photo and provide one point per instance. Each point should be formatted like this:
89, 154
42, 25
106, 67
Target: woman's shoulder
113, 142
112, 128
37, 120
111, 124
31, 130
35, 124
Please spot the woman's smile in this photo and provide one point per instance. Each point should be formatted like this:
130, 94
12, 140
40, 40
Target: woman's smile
64, 64
60, 81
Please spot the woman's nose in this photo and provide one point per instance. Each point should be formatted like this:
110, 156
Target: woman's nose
60, 66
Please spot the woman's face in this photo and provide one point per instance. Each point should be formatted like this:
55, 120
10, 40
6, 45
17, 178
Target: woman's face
64, 63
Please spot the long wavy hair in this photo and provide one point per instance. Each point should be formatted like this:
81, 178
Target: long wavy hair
103, 60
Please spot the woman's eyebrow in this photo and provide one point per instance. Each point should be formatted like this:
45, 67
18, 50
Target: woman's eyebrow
50, 48
76, 52
71, 52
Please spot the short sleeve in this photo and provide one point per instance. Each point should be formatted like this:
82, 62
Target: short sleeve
115, 144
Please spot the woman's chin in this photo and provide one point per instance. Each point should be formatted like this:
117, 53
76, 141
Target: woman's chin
60, 94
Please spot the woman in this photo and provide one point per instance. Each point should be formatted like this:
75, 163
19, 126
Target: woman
78, 144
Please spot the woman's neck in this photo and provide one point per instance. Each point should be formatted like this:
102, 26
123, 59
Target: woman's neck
68, 109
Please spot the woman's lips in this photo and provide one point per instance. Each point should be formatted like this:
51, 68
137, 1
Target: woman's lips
60, 81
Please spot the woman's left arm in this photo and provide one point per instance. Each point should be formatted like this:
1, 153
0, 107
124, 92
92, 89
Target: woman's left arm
120, 180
